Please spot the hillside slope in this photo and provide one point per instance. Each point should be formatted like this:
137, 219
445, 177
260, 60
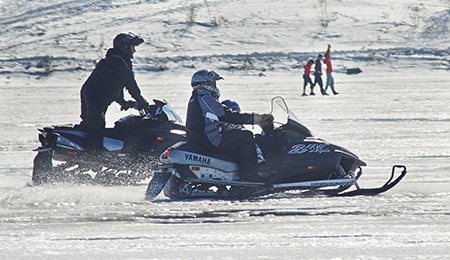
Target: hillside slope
229, 34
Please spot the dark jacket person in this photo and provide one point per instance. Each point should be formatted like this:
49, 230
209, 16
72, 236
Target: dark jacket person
106, 84
205, 115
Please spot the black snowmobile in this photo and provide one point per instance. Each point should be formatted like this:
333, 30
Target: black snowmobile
295, 160
132, 149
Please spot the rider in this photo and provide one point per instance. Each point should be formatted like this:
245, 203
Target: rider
106, 84
205, 115
234, 106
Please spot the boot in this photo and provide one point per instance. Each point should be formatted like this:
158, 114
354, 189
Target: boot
252, 178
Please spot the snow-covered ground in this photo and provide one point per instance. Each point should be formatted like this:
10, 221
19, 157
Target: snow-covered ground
226, 34
395, 112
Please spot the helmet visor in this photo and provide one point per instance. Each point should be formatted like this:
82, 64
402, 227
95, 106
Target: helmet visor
135, 39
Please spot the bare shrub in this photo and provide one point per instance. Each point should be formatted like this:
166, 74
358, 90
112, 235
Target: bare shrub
191, 13
216, 21
324, 15
416, 9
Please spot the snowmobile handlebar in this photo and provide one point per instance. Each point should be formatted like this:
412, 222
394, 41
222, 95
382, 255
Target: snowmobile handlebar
153, 111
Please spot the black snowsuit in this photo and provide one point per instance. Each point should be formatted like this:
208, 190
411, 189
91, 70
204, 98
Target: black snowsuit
318, 75
105, 85
203, 123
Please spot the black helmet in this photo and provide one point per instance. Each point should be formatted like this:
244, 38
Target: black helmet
124, 41
206, 79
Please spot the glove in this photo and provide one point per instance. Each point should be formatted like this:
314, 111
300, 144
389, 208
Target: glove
267, 119
144, 106
263, 119
127, 105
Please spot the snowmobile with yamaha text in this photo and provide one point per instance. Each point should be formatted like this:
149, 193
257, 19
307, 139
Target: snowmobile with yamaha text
132, 148
294, 160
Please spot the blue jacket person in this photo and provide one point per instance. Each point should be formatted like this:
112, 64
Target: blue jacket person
205, 115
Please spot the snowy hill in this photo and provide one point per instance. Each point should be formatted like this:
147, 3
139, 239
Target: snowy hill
253, 35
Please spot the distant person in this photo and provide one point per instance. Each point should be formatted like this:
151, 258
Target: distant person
306, 78
330, 79
204, 124
106, 84
318, 74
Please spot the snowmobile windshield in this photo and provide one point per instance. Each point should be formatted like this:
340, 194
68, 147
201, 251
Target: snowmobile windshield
281, 111
172, 115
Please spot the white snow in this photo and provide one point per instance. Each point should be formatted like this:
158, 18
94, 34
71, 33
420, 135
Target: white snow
223, 34
395, 112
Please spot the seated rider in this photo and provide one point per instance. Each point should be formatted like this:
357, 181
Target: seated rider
234, 106
205, 115
106, 84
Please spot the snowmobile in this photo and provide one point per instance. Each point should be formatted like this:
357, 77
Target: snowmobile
132, 148
294, 160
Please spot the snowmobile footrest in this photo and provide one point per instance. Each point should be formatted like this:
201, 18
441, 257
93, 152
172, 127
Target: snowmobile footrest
222, 182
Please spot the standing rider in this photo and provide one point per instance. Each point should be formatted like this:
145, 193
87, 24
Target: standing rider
205, 115
106, 84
